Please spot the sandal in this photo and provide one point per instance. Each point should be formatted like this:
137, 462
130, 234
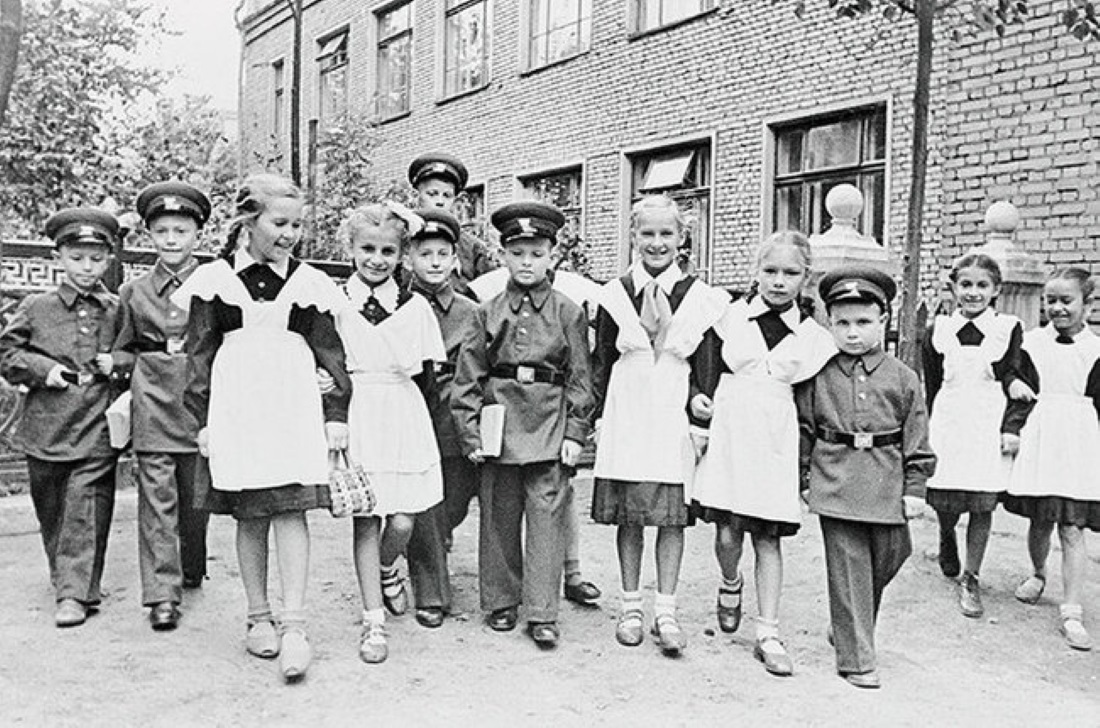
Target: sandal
771, 651
629, 630
262, 639
394, 595
670, 638
1073, 627
729, 607
373, 648
1031, 589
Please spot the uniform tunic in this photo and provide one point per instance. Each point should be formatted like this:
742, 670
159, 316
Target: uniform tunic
750, 468
391, 336
968, 364
1055, 476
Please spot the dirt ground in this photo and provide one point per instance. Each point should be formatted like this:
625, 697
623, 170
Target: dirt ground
938, 668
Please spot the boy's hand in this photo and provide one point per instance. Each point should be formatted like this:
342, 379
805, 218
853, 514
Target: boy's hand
570, 452
914, 506
699, 443
203, 441
594, 436
1010, 444
55, 379
1019, 391
337, 434
104, 363
477, 457
326, 384
702, 407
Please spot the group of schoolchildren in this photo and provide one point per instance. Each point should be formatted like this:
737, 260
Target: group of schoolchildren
254, 375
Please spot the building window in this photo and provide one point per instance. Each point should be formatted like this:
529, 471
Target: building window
332, 66
394, 75
562, 189
684, 174
811, 157
278, 72
558, 29
469, 208
651, 14
466, 51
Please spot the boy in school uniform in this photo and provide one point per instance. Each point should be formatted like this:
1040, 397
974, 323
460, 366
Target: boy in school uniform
430, 258
150, 345
865, 459
528, 351
58, 345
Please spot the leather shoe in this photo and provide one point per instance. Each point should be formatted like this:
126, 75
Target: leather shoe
430, 617
545, 634
70, 613
866, 680
584, 593
164, 617
503, 620
773, 654
193, 582
728, 608
949, 555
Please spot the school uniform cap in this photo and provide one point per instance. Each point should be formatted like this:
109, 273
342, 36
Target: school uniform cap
173, 198
438, 165
527, 219
438, 223
857, 283
82, 226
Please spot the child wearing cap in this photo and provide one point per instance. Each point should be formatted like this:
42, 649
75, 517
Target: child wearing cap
527, 351
430, 258
865, 459
150, 345
58, 345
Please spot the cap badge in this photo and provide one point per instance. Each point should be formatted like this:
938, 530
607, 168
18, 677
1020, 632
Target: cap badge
525, 226
853, 287
87, 231
171, 203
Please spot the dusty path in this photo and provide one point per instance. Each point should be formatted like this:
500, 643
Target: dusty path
1009, 668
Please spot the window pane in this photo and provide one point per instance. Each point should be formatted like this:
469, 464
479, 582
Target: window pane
679, 9
876, 137
669, 171
833, 145
788, 208
820, 219
465, 67
394, 77
789, 152
562, 13
394, 21
563, 42
873, 187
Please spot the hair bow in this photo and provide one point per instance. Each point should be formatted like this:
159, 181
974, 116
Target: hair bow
414, 222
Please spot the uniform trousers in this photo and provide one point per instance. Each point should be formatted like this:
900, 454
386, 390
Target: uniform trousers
860, 560
74, 501
517, 568
427, 550
171, 530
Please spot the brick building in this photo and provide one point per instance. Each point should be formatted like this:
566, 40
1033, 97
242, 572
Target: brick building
736, 108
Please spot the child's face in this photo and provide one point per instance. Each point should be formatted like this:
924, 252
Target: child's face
857, 327
780, 275
431, 261
84, 265
657, 238
436, 192
974, 289
1066, 306
174, 237
275, 232
528, 260
376, 252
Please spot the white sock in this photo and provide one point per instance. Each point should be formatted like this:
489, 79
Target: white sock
664, 604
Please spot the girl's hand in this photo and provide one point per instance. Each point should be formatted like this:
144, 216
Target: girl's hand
1010, 444
914, 506
1020, 392
702, 407
570, 452
337, 435
203, 441
325, 382
104, 363
477, 457
55, 379
699, 442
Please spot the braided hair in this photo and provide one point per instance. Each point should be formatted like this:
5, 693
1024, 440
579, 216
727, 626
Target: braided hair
254, 194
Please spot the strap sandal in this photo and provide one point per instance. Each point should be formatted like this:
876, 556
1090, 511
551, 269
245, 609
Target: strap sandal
629, 629
771, 651
729, 608
670, 638
373, 647
295, 654
1031, 589
395, 596
262, 638
1073, 627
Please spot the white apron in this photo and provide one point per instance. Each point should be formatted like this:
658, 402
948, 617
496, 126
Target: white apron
965, 424
1060, 444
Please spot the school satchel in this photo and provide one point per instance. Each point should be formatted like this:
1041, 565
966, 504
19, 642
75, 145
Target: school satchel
349, 487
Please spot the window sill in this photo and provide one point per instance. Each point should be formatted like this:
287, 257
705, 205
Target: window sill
396, 117
461, 95
639, 34
553, 64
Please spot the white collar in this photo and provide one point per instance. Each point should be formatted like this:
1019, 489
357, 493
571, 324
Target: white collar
241, 260
792, 317
666, 279
983, 321
386, 294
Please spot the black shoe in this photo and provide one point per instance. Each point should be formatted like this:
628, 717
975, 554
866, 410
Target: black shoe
728, 608
584, 593
949, 555
430, 617
193, 582
164, 617
545, 634
503, 620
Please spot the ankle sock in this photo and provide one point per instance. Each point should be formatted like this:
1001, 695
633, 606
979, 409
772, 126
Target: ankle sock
664, 604
261, 614
374, 616
632, 601
732, 585
766, 628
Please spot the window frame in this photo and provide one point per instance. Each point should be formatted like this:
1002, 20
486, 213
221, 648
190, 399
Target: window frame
528, 25
326, 69
527, 177
380, 42
635, 16
479, 224
443, 93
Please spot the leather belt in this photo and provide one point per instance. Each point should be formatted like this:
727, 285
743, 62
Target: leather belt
860, 440
444, 368
526, 374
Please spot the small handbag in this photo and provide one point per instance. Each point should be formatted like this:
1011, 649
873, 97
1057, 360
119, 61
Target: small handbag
349, 487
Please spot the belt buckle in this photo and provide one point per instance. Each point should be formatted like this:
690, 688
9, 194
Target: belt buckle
83, 379
525, 375
437, 367
174, 345
863, 440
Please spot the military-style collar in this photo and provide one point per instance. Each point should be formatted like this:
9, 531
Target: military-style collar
163, 275
70, 294
792, 317
869, 361
241, 260
387, 294
443, 296
666, 279
536, 294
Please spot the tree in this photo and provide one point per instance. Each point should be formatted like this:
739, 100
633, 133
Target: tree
1080, 19
11, 29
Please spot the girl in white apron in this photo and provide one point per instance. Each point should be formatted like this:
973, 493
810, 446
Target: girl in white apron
390, 335
971, 362
649, 323
260, 324
1055, 480
748, 480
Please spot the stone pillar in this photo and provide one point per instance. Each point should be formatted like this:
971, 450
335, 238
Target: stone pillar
842, 244
1022, 273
